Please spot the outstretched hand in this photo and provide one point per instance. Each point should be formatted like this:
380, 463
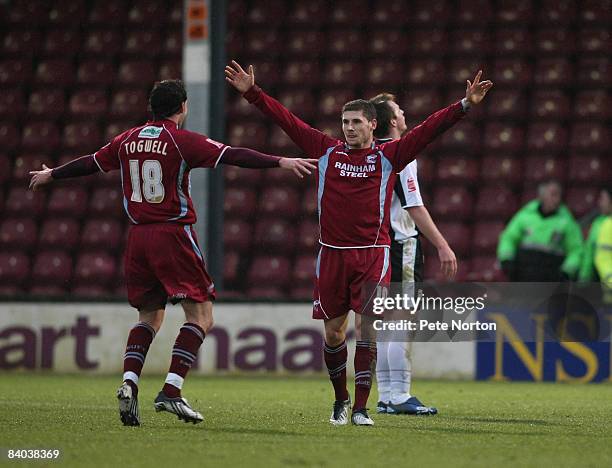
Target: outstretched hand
238, 78
299, 166
40, 178
476, 91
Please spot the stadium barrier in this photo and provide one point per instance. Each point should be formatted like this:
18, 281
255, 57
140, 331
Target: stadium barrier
246, 338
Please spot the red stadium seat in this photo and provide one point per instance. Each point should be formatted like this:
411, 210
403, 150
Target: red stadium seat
501, 168
61, 233
458, 236
96, 72
515, 41
553, 72
142, 43
592, 105
107, 202
471, 12
332, 100
249, 134
594, 40
419, 104
557, 12
237, 235
15, 72
595, 12
97, 268
9, 136
12, 104
336, 72
464, 136
304, 271
103, 234
242, 178
310, 202
486, 237
274, 236
170, 70
511, 72
240, 202
549, 137
262, 42
299, 102
581, 200
269, 293
21, 201
508, 104
452, 203
457, 169
589, 137
550, 105
25, 12
541, 168
342, 42
276, 178
82, 137
46, 291
268, 72
28, 162
105, 12
280, 143
18, 233
424, 72
308, 236
20, 42
40, 136
472, 41
52, 267
231, 268
91, 291
503, 137
115, 128
14, 268
428, 12
48, 103
348, 12
62, 42
67, 201
390, 43
136, 72
5, 173
594, 72
174, 16
273, 271
278, 201
426, 42
147, 13
495, 202
306, 13
304, 43
55, 72
589, 169
485, 269
517, 12
102, 42
556, 41
67, 12
382, 73
88, 103
128, 104
270, 12
463, 69
173, 45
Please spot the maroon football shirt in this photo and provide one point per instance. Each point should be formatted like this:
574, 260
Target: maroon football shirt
155, 160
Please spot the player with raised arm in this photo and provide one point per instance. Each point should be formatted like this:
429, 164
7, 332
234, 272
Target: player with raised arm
163, 260
409, 218
354, 187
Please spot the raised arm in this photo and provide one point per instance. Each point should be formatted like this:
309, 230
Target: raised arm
83, 166
413, 142
313, 142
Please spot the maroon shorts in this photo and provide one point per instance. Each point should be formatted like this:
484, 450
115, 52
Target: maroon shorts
163, 262
343, 278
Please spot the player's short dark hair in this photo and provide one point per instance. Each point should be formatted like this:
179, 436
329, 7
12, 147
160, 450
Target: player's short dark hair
361, 105
384, 113
166, 98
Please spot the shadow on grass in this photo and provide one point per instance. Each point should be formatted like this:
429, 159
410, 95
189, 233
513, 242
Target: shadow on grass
466, 430
263, 431
531, 422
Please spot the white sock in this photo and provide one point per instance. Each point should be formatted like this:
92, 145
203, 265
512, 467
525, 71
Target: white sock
383, 379
400, 371
129, 375
175, 380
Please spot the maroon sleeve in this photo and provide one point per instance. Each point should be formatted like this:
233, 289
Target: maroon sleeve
199, 150
82, 166
248, 158
107, 158
403, 151
313, 142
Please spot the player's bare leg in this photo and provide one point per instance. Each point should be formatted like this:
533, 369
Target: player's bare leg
365, 362
199, 320
335, 353
138, 343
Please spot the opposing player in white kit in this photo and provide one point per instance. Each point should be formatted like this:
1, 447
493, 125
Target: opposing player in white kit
409, 217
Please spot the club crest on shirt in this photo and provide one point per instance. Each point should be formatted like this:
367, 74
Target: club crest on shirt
371, 158
150, 132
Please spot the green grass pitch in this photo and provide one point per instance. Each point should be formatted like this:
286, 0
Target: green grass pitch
269, 421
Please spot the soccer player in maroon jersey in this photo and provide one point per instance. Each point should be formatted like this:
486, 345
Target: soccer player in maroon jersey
163, 260
354, 186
